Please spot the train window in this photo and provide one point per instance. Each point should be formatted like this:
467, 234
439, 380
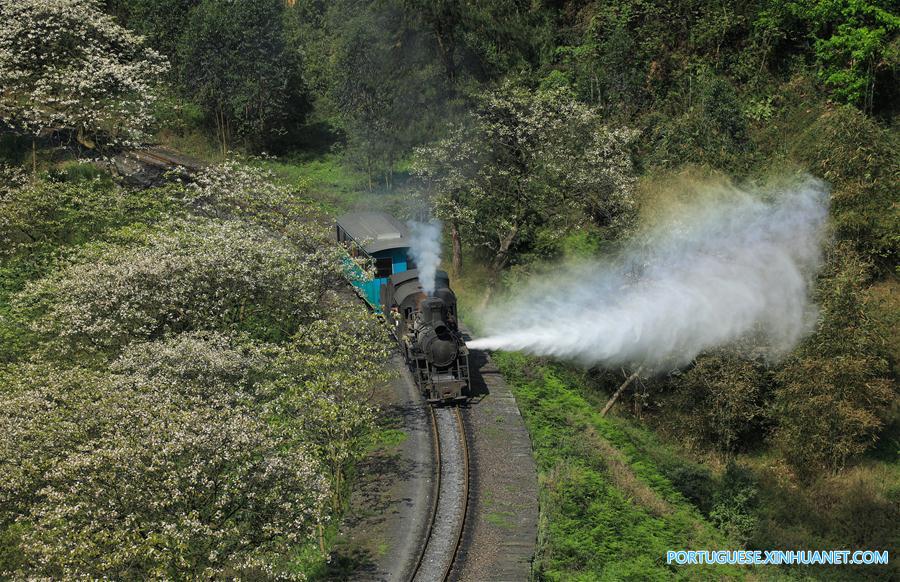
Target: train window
410, 263
383, 268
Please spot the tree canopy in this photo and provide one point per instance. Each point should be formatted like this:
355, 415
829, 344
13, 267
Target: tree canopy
64, 64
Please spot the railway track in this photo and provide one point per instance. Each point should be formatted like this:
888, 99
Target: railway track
148, 166
451, 501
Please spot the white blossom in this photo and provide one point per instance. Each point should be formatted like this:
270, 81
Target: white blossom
66, 64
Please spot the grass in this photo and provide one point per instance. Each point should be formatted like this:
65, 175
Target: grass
607, 511
615, 496
333, 184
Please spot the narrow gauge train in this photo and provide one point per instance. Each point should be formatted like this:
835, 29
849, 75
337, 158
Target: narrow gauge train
426, 327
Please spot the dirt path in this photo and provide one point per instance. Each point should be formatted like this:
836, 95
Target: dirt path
385, 529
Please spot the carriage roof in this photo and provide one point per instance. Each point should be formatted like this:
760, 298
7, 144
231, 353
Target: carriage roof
375, 231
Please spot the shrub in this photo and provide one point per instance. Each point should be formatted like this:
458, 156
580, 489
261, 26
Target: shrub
235, 190
834, 393
861, 160
721, 400
705, 126
115, 476
189, 275
733, 511
213, 367
39, 216
325, 379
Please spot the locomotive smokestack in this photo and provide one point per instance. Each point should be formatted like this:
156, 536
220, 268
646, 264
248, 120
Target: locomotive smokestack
433, 312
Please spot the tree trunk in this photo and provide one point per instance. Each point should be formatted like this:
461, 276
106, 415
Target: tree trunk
457, 249
222, 130
34, 155
498, 263
618, 392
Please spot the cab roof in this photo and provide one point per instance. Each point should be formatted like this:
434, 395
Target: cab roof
375, 231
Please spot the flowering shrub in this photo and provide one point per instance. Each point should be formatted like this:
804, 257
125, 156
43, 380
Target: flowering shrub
66, 64
220, 388
233, 189
122, 476
192, 274
210, 366
44, 215
325, 379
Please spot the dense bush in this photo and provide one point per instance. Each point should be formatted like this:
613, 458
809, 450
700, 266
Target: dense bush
862, 161
38, 216
139, 475
853, 44
703, 123
834, 393
188, 275
735, 503
720, 401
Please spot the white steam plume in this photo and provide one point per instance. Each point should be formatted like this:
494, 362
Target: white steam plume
425, 248
737, 266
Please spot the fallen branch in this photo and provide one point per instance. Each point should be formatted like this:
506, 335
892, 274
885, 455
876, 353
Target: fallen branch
617, 393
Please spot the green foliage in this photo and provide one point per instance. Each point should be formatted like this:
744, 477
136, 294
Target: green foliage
234, 62
835, 392
862, 161
392, 71
735, 504
853, 44
607, 511
719, 401
162, 22
530, 164
376, 81
72, 206
702, 124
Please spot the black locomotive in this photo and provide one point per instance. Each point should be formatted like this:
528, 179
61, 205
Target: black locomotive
425, 326
428, 333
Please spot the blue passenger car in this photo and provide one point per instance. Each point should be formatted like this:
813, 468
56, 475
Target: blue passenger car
382, 238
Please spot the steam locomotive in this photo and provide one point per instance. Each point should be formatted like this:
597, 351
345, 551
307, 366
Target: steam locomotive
425, 326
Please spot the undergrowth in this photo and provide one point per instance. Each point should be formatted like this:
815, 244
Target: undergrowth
607, 511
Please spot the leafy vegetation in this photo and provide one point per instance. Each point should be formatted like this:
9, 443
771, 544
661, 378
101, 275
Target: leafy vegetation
610, 514
64, 65
538, 132
181, 395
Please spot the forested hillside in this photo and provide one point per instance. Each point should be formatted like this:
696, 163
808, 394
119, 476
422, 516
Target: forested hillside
158, 343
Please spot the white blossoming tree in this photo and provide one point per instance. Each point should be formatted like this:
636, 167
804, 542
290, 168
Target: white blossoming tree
196, 391
137, 475
187, 275
528, 165
64, 64
325, 384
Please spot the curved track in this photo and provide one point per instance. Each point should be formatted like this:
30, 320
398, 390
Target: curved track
451, 502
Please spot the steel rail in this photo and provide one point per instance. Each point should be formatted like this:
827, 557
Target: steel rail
452, 548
